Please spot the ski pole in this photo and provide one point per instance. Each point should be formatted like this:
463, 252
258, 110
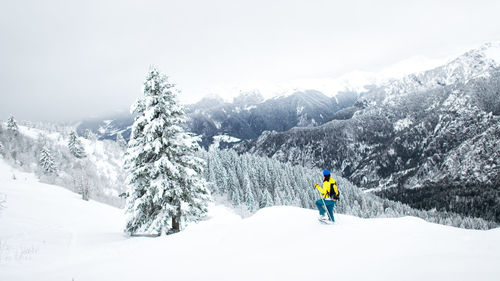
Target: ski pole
324, 204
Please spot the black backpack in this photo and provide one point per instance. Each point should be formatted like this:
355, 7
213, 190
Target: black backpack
332, 192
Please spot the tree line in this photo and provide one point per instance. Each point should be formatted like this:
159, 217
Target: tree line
249, 182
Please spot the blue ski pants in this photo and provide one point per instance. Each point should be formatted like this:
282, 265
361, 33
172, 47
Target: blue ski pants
329, 206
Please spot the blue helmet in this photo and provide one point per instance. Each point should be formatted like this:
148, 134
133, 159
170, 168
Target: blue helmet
326, 173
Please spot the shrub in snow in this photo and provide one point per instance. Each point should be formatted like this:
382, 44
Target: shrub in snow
165, 185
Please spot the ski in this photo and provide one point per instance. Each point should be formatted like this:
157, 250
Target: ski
325, 221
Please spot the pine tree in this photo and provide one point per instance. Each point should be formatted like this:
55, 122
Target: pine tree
267, 200
248, 196
165, 184
12, 125
46, 162
75, 146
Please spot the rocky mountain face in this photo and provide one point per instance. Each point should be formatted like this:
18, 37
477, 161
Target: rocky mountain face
249, 115
431, 139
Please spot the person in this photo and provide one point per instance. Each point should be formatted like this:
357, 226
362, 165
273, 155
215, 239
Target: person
327, 198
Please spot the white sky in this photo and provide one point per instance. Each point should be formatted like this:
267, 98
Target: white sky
64, 60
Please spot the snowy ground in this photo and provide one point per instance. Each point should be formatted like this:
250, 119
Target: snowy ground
49, 233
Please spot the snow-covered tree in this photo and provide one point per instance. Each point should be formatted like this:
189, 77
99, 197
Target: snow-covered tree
267, 200
84, 178
46, 162
120, 140
75, 146
90, 135
165, 184
248, 196
12, 125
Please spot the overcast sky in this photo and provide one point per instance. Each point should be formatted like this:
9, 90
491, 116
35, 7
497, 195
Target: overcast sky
65, 60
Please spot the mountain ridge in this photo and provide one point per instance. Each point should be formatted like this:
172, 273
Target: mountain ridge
208, 116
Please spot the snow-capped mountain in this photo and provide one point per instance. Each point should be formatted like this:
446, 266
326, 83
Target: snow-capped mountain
429, 139
245, 118
275, 107
475, 63
357, 81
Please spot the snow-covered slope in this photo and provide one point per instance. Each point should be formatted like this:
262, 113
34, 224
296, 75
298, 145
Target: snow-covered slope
48, 233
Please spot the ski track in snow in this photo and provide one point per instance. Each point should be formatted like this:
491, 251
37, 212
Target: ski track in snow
49, 233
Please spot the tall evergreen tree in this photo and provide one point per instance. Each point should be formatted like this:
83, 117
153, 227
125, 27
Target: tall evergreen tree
165, 184
75, 146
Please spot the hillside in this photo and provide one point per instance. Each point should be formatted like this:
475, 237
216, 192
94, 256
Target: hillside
99, 172
48, 233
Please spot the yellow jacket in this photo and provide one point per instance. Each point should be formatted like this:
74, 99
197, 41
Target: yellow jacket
325, 190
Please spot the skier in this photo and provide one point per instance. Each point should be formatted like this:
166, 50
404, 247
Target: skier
328, 199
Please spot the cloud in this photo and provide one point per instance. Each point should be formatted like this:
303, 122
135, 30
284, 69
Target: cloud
65, 60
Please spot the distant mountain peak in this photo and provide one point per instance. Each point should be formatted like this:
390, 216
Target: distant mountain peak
474, 63
211, 100
479, 59
248, 98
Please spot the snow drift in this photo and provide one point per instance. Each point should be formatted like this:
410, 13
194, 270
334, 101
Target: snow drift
49, 233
